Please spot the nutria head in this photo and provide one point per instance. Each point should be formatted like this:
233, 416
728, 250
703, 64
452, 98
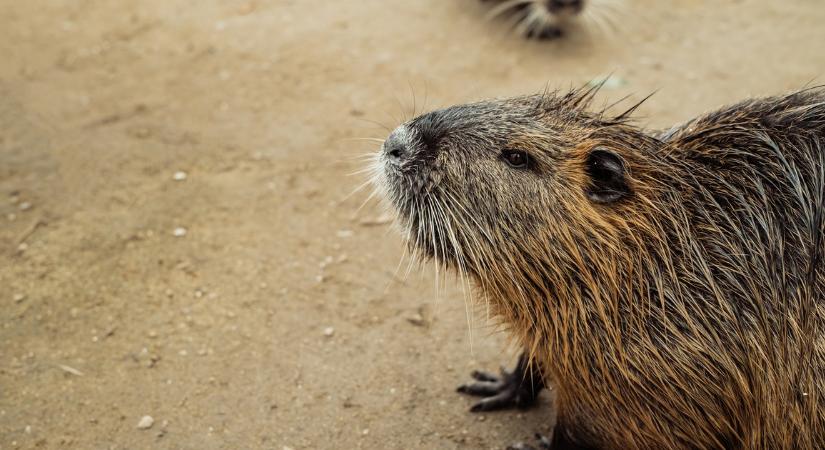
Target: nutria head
497, 187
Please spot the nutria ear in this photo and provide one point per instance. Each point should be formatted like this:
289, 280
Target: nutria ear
607, 176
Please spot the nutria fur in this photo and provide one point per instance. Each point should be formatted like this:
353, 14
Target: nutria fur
671, 286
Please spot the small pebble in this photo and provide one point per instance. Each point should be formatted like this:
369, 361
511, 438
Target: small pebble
70, 370
327, 261
179, 176
329, 331
179, 232
344, 233
417, 320
28, 429
382, 220
19, 298
25, 206
366, 431
145, 423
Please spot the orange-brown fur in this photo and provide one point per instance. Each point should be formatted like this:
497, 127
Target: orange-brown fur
687, 314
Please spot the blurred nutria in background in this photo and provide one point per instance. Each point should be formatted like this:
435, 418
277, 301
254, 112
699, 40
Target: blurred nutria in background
550, 19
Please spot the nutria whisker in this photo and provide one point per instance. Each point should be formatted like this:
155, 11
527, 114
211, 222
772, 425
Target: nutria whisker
358, 172
462, 272
394, 274
358, 189
374, 122
437, 243
605, 16
412, 94
476, 247
504, 7
371, 196
371, 139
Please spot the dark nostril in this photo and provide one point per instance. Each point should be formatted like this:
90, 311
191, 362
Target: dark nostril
395, 152
395, 147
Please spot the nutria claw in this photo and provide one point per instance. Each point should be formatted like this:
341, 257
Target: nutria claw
544, 443
518, 388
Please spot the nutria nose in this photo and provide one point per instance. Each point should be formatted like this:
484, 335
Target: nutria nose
559, 5
395, 147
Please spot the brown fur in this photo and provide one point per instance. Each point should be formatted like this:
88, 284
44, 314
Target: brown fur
687, 314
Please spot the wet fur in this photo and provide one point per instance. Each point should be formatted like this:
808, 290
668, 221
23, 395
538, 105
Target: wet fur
687, 314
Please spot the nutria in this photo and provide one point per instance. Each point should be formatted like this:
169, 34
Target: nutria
669, 286
550, 19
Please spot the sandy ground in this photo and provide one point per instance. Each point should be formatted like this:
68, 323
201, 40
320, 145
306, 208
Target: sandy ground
276, 321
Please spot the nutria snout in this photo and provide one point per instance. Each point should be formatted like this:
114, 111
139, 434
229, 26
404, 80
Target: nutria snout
670, 286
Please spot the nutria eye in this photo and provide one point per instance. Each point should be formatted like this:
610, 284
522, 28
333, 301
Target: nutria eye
516, 159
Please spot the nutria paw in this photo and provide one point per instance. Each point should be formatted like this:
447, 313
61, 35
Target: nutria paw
544, 443
518, 388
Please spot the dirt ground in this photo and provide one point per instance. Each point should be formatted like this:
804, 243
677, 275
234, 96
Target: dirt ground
253, 304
